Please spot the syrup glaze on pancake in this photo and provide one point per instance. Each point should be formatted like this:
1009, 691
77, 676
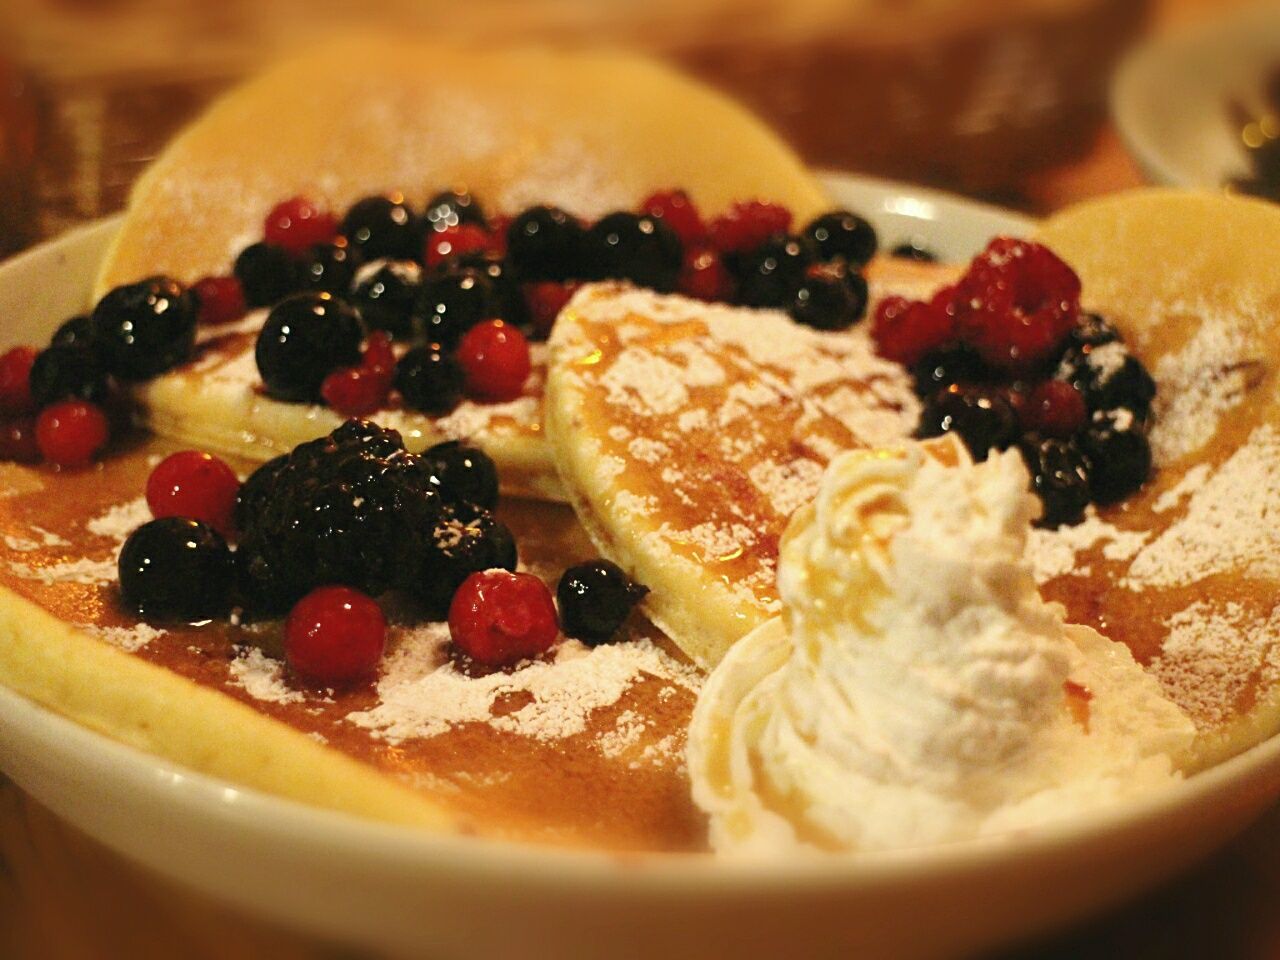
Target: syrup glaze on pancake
586, 748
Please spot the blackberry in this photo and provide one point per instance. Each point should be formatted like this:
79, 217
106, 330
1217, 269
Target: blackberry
67, 371
914, 250
1108, 376
595, 599
450, 208
1059, 477
176, 569
460, 541
545, 243
305, 338
267, 274
77, 330
768, 276
639, 248
328, 268
462, 474
382, 227
829, 300
1119, 453
983, 420
453, 302
338, 510
143, 329
940, 369
430, 380
841, 235
386, 295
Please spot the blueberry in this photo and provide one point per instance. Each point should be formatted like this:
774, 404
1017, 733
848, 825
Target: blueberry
66, 371
383, 227
1108, 376
176, 569
386, 295
639, 248
463, 540
328, 267
452, 303
829, 300
430, 380
768, 276
77, 330
304, 339
462, 474
1118, 449
450, 208
510, 298
959, 364
595, 599
545, 243
914, 250
983, 420
143, 329
1092, 331
267, 274
841, 235
1059, 477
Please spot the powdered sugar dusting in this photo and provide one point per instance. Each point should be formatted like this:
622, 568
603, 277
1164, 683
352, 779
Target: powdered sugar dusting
1053, 552
85, 571
129, 639
120, 520
262, 677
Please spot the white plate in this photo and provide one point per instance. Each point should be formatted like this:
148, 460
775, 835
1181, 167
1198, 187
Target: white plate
418, 893
1169, 97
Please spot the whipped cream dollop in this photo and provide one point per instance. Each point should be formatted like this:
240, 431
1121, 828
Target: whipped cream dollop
917, 689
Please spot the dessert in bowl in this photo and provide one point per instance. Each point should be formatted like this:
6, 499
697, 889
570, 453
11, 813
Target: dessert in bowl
500, 712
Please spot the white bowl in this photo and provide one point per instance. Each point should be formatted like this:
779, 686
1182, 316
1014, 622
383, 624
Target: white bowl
417, 893
1169, 97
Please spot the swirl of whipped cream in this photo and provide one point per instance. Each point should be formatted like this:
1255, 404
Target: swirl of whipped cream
917, 688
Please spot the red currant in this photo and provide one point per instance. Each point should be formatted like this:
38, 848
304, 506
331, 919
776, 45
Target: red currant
545, 300
335, 636
905, 330
297, 224
221, 300
71, 433
194, 485
495, 360
678, 212
748, 224
18, 440
1054, 408
705, 276
15, 381
499, 618
378, 355
456, 241
355, 391
498, 226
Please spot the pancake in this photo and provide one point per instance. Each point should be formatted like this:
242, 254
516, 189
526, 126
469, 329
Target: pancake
588, 132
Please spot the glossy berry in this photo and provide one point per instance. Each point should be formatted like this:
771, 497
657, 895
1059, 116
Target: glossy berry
382, 227
506, 289
143, 329
454, 242
195, 485
386, 296
18, 440
499, 618
1108, 376
267, 274
545, 243
334, 636
984, 421
178, 570
454, 302
495, 361
304, 339
770, 274
704, 276
355, 391
544, 301
70, 433
464, 540
595, 599
914, 250
829, 300
379, 356
15, 381
1053, 408
676, 210
746, 225
430, 380
328, 267
905, 331
841, 235
70, 371
1059, 477
461, 474
1119, 453
642, 249
219, 300
78, 330
297, 224
1092, 331
451, 208
939, 369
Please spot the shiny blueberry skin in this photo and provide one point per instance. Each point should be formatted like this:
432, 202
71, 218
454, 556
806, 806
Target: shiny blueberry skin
595, 599
983, 421
841, 235
77, 330
382, 227
462, 474
940, 369
328, 268
68, 371
545, 243
829, 301
430, 380
451, 208
267, 274
639, 248
304, 339
452, 303
143, 329
769, 276
387, 297
1059, 477
176, 570
1117, 447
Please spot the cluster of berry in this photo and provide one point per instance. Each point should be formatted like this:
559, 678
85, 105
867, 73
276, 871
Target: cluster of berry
322, 531
1006, 356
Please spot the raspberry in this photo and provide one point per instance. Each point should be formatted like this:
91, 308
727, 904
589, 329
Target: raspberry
70, 433
1016, 304
495, 360
335, 635
1053, 408
15, 381
194, 485
499, 618
906, 330
748, 224
455, 242
221, 300
545, 300
297, 224
705, 276
677, 211
18, 441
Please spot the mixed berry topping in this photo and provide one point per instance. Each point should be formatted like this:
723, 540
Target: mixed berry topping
545, 243
461, 473
641, 248
841, 235
195, 485
430, 380
71, 433
379, 227
142, 329
335, 636
304, 339
178, 570
267, 274
297, 224
15, 381
219, 300
595, 599
78, 329
495, 360
385, 294
498, 618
